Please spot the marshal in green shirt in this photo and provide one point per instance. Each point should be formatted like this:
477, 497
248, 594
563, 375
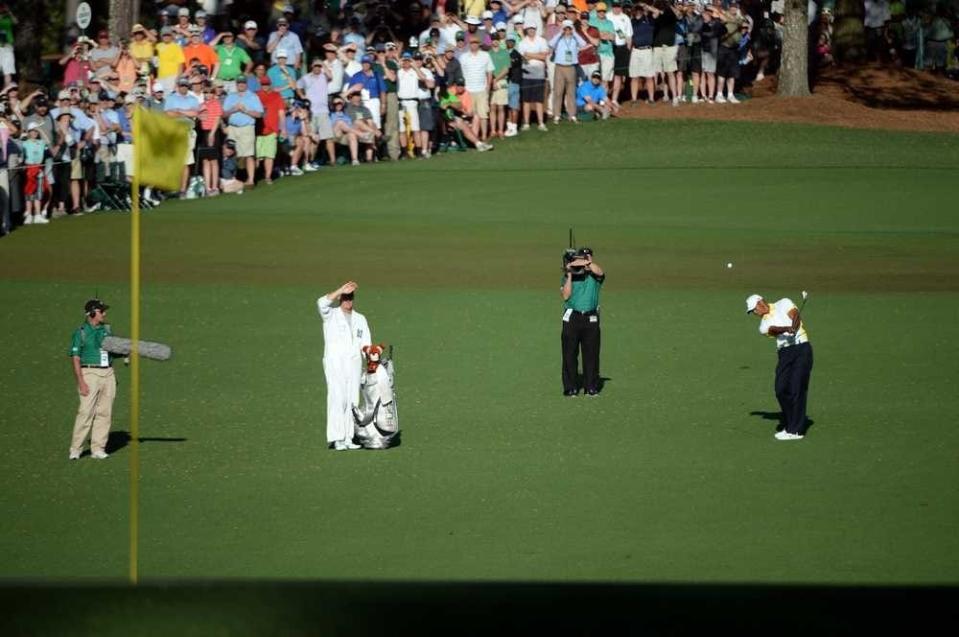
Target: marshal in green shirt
86, 343
585, 293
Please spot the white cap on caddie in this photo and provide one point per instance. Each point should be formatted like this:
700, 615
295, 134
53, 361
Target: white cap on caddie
752, 301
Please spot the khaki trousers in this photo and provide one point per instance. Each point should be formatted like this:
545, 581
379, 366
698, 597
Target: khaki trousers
392, 126
565, 85
96, 410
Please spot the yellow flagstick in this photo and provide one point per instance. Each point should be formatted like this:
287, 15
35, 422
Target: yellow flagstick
135, 354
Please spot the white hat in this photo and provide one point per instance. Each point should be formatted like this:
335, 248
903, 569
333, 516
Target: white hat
33, 126
487, 15
752, 301
200, 14
249, 24
184, 12
474, 21
567, 23
518, 19
500, 26
281, 53
63, 95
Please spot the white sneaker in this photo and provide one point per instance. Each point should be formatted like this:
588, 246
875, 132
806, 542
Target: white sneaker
542, 127
28, 220
556, 121
665, 98
75, 455
295, 171
732, 99
695, 99
785, 435
339, 445
525, 127
350, 445
675, 101
100, 455
356, 162
40, 219
310, 168
510, 132
483, 147
720, 99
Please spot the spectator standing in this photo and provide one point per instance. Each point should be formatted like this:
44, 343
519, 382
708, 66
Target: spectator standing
207, 32
589, 54
622, 43
514, 86
197, 49
186, 108
875, 18
270, 126
499, 99
533, 13
727, 61
76, 64
478, 74
693, 66
664, 47
170, 60
607, 35
8, 61
713, 29
351, 65
411, 80
285, 40
282, 76
388, 65
250, 41
371, 86
333, 69
103, 58
181, 30
142, 48
315, 87
641, 67
34, 153
126, 70
565, 46
211, 115
534, 50
242, 109
233, 61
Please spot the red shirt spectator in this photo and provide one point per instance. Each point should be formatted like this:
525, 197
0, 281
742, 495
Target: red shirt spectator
273, 104
212, 110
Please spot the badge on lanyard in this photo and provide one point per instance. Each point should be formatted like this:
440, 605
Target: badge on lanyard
104, 358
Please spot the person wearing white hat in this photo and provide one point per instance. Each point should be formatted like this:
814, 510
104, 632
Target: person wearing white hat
533, 13
565, 47
34, 152
249, 41
781, 320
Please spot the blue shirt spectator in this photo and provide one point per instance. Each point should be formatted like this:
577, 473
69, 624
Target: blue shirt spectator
566, 46
282, 76
643, 30
595, 92
373, 83
249, 101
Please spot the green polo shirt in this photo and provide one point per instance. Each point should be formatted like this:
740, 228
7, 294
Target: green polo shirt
500, 56
86, 343
390, 84
233, 61
585, 294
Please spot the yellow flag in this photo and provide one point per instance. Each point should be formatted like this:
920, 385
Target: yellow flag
160, 146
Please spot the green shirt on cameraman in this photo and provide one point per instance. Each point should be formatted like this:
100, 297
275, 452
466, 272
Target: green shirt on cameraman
585, 293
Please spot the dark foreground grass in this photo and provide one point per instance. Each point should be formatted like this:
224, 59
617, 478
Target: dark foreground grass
672, 475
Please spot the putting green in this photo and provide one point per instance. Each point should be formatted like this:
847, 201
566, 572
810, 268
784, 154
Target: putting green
671, 475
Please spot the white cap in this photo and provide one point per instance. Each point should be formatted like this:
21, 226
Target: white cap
752, 301
184, 12
567, 23
281, 53
518, 19
64, 94
487, 15
500, 26
200, 14
33, 126
474, 21
249, 24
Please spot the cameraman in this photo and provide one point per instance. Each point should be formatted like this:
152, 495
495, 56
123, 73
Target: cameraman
581, 284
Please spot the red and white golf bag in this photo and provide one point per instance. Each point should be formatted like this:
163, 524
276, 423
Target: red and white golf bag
376, 422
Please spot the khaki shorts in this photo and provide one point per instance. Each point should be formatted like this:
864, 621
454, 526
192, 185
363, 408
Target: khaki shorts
500, 96
322, 127
641, 63
606, 65
480, 104
125, 157
245, 137
411, 107
76, 168
266, 146
190, 147
664, 59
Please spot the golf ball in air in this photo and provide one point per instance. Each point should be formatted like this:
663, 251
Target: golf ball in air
729, 266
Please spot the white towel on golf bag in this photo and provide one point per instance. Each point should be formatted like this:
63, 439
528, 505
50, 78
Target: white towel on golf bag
376, 420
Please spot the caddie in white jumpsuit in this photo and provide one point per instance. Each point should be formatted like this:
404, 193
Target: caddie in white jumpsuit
345, 332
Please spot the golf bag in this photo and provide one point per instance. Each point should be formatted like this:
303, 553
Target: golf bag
376, 422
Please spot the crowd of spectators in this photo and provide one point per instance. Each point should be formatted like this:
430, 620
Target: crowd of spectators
356, 83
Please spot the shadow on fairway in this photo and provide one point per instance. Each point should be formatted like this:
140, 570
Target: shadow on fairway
778, 417
120, 439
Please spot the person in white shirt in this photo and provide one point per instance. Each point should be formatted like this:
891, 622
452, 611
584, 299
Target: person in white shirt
781, 320
534, 50
333, 68
413, 84
285, 40
533, 13
622, 46
345, 332
477, 68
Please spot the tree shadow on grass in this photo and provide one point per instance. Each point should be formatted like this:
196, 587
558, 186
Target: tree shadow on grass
778, 417
119, 439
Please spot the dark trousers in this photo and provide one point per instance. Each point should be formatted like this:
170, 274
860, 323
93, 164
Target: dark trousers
581, 331
792, 385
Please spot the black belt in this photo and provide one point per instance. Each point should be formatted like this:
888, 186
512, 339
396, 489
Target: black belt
95, 366
409, 99
641, 48
589, 313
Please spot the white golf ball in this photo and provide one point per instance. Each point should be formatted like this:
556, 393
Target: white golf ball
729, 266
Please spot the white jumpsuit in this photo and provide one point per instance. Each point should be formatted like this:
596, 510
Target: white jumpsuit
344, 336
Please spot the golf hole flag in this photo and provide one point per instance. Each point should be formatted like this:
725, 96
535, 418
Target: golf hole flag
160, 145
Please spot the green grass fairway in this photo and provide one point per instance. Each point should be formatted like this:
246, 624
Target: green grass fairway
672, 475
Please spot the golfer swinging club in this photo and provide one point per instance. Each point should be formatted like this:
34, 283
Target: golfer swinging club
781, 320
345, 332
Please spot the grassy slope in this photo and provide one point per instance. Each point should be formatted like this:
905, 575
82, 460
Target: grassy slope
666, 477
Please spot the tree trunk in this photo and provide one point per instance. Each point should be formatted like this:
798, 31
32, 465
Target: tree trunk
28, 43
121, 19
794, 72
